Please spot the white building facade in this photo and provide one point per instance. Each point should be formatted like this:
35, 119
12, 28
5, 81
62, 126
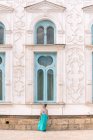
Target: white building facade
46, 56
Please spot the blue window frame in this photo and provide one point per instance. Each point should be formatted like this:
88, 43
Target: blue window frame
45, 77
2, 33
45, 32
92, 77
92, 34
2, 76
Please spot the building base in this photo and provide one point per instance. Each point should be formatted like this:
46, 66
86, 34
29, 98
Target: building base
54, 123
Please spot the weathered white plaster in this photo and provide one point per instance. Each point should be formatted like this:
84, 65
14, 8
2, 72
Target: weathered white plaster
74, 59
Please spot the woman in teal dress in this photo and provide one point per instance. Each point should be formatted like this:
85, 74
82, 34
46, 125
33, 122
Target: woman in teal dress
42, 124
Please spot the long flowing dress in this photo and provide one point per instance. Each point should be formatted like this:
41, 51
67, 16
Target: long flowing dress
42, 124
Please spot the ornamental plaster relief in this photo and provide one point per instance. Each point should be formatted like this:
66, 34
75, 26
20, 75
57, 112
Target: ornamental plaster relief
19, 57
75, 73
74, 23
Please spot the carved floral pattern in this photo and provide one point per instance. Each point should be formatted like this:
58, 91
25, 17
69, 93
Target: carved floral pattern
19, 52
74, 23
75, 75
74, 54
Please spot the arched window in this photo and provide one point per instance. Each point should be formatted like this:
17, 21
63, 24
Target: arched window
50, 35
40, 35
45, 77
2, 30
92, 33
45, 32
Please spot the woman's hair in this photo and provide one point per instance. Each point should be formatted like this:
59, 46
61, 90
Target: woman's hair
45, 105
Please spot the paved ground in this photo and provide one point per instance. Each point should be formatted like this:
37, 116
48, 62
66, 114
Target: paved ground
49, 135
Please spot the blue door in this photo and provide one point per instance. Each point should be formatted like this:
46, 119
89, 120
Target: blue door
2, 75
45, 77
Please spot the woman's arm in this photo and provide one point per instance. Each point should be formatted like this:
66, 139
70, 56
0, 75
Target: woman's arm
46, 111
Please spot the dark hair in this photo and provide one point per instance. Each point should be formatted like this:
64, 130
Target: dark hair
45, 105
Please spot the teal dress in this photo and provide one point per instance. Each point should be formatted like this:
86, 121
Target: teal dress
42, 124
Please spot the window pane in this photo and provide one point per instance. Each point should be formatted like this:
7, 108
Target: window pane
40, 35
50, 35
1, 35
0, 60
0, 84
50, 85
45, 60
40, 83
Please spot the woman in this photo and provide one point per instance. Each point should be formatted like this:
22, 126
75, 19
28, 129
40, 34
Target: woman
42, 124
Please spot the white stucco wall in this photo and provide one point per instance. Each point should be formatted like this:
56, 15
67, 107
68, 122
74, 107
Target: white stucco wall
74, 70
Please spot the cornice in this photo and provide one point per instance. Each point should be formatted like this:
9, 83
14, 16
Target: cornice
88, 9
45, 6
46, 48
4, 8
